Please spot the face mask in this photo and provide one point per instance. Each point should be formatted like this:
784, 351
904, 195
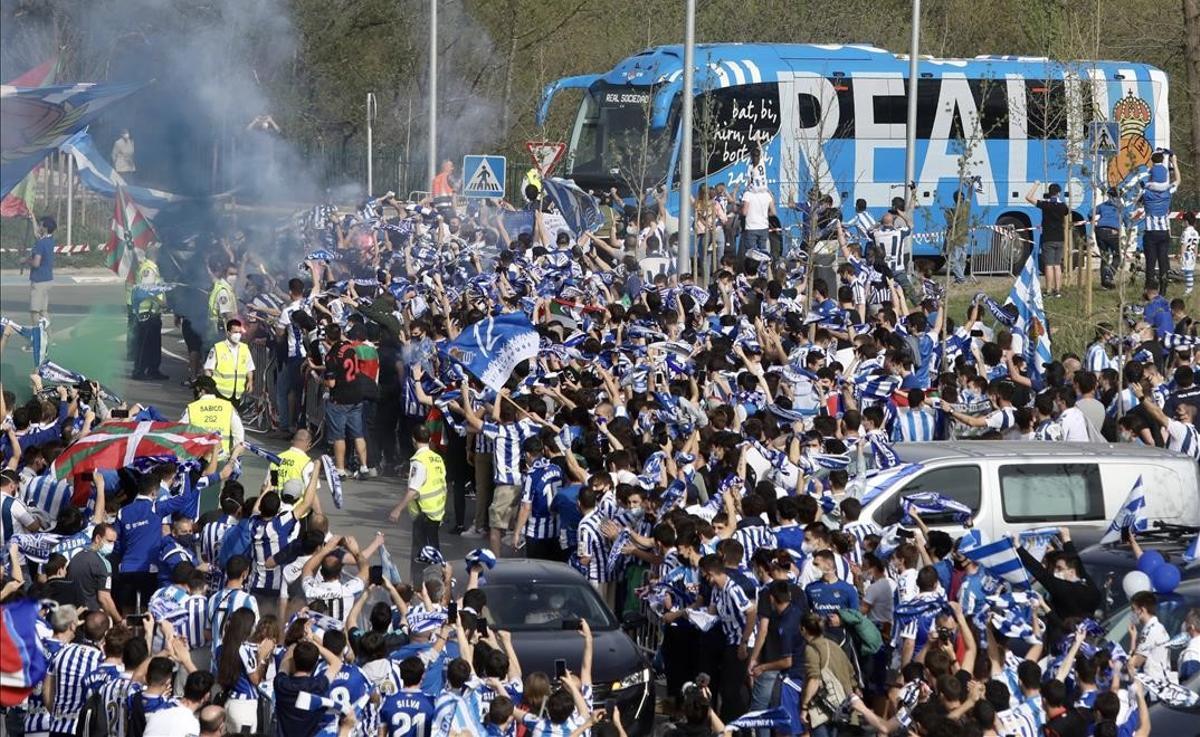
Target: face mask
235, 338
807, 548
1063, 576
636, 513
187, 540
106, 549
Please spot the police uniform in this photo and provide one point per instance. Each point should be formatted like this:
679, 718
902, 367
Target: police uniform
216, 415
428, 506
147, 324
230, 364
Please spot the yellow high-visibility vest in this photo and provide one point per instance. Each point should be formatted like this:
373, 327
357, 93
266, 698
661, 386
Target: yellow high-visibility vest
214, 414
293, 461
431, 497
147, 274
216, 323
231, 365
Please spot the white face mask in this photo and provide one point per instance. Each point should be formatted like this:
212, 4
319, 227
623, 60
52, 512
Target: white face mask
235, 338
807, 548
1063, 576
106, 549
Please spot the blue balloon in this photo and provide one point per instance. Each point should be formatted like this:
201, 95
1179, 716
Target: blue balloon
1150, 560
1165, 578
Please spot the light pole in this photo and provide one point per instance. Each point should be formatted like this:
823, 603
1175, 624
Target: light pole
371, 109
683, 263
433, 24
910, 133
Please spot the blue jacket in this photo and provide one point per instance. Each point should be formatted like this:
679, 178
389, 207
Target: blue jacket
1158, 314
139, 529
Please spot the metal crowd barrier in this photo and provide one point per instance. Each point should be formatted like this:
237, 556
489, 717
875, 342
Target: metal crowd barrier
1005, 249
647, 635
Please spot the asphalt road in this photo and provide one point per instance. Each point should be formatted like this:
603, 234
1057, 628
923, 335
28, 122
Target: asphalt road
88, 335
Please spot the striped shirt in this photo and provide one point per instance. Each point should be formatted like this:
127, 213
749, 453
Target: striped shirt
69, 667
506, 461
295, 336
1097, 359
14, 516
267, 538
1025, 720
210, 547
592, 545
243, 689
1004, 420
339, 595
861, 226
190, 620
452, 714
1183, 438
541, 484
858, 531
222, 604
753, 537
37, 716
731, 604
71, 545
890, 240
48, 494
915, 425
116, 695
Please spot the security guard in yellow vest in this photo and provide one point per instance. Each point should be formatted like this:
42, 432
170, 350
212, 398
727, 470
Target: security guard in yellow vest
215, 414
147, 316
294, 462
426, 497
230, 365
222, 299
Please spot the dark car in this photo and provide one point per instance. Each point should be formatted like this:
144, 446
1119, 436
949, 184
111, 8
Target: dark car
541, 603
1108, 564
1172, 608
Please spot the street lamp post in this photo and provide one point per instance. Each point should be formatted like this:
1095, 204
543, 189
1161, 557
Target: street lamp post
910, 133
433, 27
371, 108
683, 263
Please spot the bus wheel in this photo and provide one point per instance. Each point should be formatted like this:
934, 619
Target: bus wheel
1019, 246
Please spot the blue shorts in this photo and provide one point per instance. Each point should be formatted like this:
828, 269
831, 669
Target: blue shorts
342, 420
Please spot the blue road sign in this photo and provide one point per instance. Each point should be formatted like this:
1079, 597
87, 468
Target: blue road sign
1103, 137
483, 176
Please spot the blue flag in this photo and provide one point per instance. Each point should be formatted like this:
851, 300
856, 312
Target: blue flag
1000, 560
262, 452
38, 120
99, 176
580, 210
335, 481
762, 719
931, 502
1031, 324
390, 571
491, 348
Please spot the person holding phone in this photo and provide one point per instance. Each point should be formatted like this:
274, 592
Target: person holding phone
331, 587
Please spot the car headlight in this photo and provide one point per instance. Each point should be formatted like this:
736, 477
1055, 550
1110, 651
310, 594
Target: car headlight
636, 678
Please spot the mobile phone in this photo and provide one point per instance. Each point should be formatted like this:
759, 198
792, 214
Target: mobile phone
560, 668
119, 414
572, 624
135, 620
609, 705
481, 624
275, 477
375, 576
452, 612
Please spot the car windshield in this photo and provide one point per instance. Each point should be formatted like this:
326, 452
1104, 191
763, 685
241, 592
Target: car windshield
545, 606
1172, 610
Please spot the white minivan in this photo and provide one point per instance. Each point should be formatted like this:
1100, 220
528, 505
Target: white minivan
1018, 485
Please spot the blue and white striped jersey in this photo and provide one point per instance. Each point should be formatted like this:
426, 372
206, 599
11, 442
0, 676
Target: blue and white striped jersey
69, 667
47, 493
506, 460
858, 530
222, 604
915, 425
592, 545
541, 483
71, 545
210, 547
37, 716
753, 535
1183, 438
1097, 359
452, 714
190, 620
267, 538
731, 604
116, 694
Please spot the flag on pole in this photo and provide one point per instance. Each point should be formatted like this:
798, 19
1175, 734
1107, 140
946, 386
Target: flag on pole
130, 235
1131, 515
491, 348
1031, 325
1000, 560
580, 210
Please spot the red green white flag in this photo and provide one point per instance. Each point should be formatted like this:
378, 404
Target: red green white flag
117, 444
131, 233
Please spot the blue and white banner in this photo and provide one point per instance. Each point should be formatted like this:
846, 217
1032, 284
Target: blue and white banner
931, 502
1131, 515
1000, 559
390, 571
491, 348
580, 210
262, 452
1038, 540
36, 335
335, 481
99, 176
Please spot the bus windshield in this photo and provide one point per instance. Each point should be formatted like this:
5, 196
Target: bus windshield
613, 145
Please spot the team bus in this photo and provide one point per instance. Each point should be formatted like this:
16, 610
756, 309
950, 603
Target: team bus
832, 117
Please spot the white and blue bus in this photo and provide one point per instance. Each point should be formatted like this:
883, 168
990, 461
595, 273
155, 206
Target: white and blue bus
833, 117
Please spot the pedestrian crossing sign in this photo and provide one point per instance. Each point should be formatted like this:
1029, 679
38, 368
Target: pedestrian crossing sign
1102, 137
483, 176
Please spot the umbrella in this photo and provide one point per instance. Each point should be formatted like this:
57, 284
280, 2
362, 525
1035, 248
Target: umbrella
116, 444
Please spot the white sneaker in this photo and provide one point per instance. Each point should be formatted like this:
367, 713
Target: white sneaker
475, 532
341, 472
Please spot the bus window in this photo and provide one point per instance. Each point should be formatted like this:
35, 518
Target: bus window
613, 144
1047, 106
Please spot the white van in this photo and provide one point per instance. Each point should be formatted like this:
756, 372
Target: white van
1018, 485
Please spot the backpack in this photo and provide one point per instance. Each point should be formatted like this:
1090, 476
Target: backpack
93, 719
135, 720
235, 541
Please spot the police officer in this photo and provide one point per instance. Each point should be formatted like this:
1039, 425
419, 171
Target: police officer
426, 497
230, 365
294, 462
222, 299
147, 317
215, 414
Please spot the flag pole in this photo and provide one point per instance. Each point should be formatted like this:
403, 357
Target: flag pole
70, 198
